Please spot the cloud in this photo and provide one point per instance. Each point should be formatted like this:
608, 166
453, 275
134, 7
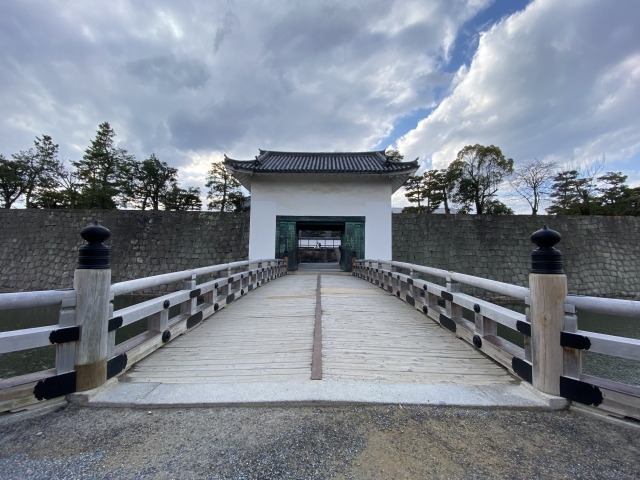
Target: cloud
193, 80
558, 80
207, 76
170, 72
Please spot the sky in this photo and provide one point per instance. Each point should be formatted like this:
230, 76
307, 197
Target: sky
191, 81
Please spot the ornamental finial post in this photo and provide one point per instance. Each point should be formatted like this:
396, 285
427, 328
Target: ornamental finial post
546, 259
94, 255
92, 283
547, 293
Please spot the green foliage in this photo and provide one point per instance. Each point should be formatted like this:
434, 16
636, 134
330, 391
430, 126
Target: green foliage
615, 197
582, 192
496, 207
425, 190
103, 171
106, 177
481, 171
13, 175
224, 192
447, 182
415, 190
145, 184
413, 209
393, 156
182, 199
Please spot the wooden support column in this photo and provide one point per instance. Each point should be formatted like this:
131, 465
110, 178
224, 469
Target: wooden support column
92, 283
453, 311
66, 352
413, 290
548, 287
189, 307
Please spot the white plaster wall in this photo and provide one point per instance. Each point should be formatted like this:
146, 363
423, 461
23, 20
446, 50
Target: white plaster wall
320, 195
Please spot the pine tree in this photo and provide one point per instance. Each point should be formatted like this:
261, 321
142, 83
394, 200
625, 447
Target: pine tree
101, 170
146, 183
224, 190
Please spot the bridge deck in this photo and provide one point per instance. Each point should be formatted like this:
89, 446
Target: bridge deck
366, 336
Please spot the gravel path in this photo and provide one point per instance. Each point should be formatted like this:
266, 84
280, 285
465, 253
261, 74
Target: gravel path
321, 442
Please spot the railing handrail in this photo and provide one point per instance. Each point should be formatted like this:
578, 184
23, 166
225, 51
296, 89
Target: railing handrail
492, 285
45, 298
40, 298
129, 286
611, 306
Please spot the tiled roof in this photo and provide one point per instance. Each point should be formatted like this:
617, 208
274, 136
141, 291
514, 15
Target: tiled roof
321, 162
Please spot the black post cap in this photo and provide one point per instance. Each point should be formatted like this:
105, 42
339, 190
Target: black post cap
286, 253
354, 254
546, 259
94, 255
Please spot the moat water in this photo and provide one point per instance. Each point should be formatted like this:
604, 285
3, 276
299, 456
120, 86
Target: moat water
33, 360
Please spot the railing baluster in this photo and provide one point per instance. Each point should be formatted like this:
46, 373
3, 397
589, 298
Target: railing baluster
111, 336
572, 356
454, 311
66, 352
189, 307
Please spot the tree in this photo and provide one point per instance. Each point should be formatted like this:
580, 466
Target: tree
496, 207
433, 196
447, 183
146, 183
393, 156
13, 175
615, 196
563, 193
532, 181
482, 171
44, 172
182, 199
574, 191
415, 190
102, 170
224, 190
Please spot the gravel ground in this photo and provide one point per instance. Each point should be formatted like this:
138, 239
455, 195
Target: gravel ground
316, 442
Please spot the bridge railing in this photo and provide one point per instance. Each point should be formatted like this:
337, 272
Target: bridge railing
87, 322
551, 358
428, 297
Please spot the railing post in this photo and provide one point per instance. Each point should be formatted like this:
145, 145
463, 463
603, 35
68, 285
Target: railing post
189, 307
572, 356
548, 289
66, 352
92, 282
414, 291
453, 310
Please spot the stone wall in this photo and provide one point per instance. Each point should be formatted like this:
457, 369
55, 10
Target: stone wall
39, 248
601, 254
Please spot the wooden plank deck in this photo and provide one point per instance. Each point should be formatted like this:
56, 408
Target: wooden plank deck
266, 335
367, 335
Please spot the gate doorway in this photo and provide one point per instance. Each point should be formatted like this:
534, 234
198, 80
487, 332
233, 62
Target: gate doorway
319, 240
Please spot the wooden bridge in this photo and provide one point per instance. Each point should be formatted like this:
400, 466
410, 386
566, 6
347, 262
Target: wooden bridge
388, 332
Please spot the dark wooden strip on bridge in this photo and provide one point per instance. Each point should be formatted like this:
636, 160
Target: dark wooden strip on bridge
316, 359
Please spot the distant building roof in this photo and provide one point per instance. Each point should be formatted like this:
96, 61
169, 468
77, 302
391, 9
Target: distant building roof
368, 163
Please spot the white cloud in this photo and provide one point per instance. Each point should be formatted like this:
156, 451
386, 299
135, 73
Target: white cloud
558, 80
190, 80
